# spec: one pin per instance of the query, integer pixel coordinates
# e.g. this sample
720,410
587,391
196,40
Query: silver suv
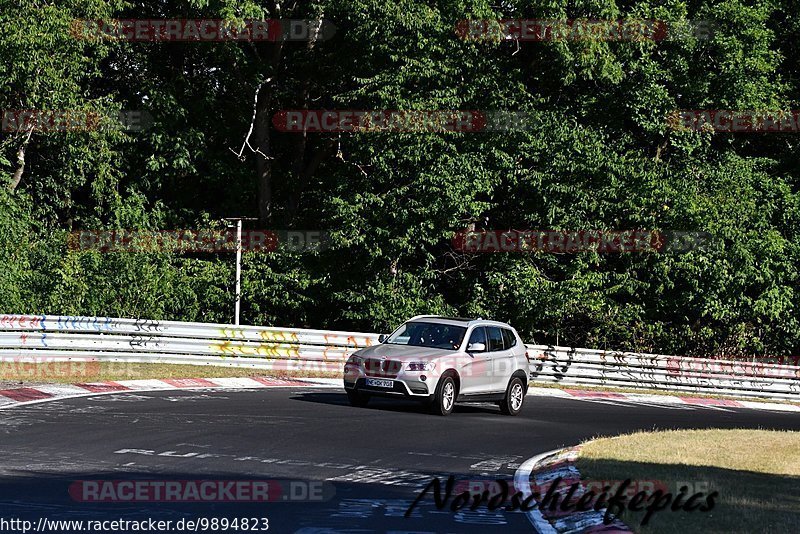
441,361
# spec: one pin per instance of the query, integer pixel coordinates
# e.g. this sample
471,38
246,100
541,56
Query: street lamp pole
238,297
238,271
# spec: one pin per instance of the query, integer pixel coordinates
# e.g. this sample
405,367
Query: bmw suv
441,361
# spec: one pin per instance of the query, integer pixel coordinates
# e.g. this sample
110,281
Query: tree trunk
264,162
17,177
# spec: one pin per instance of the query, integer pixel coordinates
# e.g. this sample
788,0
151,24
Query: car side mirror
382,338
476,347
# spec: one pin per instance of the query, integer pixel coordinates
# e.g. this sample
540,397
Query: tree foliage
595,152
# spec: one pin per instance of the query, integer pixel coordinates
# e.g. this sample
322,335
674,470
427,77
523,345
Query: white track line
522,482
64,392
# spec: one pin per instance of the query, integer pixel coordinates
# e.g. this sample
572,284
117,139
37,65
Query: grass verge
755,472
665,392
74,372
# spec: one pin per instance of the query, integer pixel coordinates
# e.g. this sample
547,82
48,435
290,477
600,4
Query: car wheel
515,397
357,399
445,397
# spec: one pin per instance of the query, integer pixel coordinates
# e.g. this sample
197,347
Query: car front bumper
411,387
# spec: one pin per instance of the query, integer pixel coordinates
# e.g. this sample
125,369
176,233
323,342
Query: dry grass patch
756,472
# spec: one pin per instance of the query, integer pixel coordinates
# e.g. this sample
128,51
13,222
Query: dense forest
595,149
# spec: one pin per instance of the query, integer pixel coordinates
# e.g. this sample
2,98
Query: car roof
457,321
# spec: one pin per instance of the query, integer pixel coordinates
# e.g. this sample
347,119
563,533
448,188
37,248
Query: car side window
478,336
509,338
495,338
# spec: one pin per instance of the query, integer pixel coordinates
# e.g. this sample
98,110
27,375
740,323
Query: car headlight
420,366
354,362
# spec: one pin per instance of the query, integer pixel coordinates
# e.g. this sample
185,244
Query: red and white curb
540,471
44,393
660,400
10,398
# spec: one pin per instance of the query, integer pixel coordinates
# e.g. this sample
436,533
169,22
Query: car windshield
431,335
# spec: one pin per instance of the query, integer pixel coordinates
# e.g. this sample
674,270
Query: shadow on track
747,502
342,506
393,405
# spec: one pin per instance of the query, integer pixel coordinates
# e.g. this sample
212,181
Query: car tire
357,399
515,397
445,397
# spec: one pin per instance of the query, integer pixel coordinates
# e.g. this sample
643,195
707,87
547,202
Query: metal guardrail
46,337
61,337
570,366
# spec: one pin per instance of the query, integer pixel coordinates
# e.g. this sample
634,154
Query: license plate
376,383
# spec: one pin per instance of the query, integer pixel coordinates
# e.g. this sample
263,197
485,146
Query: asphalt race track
367,464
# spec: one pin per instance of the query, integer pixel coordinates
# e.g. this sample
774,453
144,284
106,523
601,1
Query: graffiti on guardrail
69,322
145,342
709,368
776,360
233,348
537,364
279,337
262,350
563,365
147,325
332,339
22,321
233,333
63,322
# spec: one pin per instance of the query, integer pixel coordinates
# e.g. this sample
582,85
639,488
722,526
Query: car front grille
382,368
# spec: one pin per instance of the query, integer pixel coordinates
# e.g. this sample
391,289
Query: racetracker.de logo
73,120
270,30
126,491
199,241
33,368
628,29
378,121
175,491
574,241
730,121
420,121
